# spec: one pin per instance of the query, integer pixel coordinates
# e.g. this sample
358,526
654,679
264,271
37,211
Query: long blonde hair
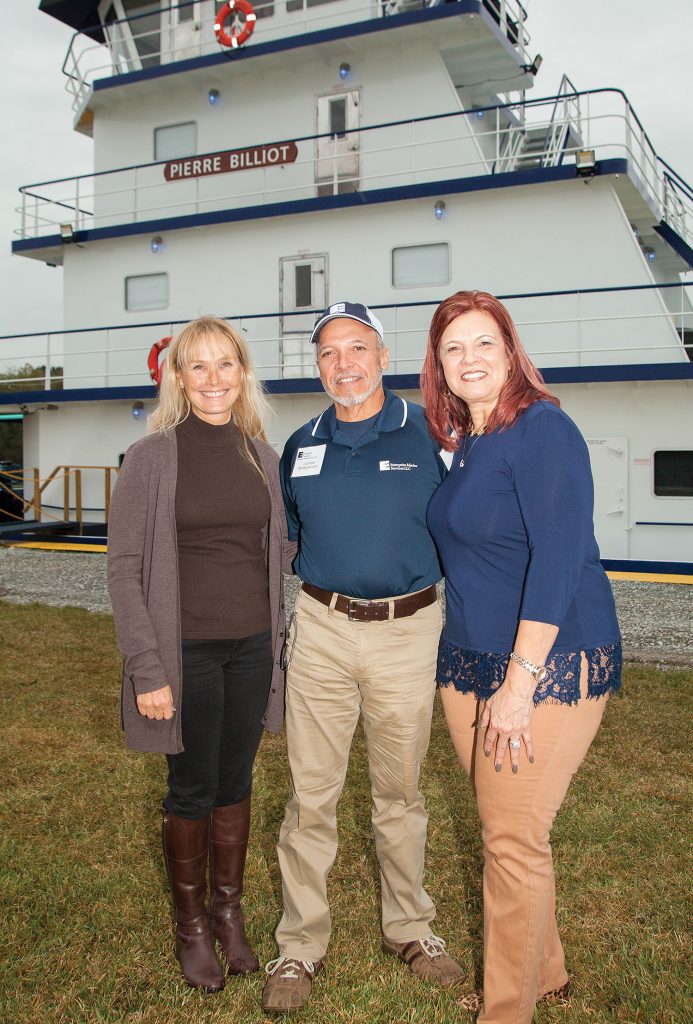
172,407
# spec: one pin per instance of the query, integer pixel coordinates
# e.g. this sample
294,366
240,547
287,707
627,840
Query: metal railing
162,37
564,328
487,140
71,477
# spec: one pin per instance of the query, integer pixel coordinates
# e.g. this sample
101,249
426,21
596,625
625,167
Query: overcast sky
639,46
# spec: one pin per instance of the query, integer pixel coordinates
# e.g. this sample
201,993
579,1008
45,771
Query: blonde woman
197,544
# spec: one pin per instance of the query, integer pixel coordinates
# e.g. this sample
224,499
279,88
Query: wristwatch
540,672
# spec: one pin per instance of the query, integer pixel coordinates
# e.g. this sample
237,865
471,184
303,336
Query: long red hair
525,385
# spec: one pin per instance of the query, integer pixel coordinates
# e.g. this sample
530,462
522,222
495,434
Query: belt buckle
354,604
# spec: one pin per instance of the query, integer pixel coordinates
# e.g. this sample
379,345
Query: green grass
86,924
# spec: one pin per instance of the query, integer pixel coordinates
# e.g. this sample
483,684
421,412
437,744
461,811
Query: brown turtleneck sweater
222,506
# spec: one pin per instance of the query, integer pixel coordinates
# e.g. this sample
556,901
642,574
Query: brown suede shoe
474,1001
288,984
428,960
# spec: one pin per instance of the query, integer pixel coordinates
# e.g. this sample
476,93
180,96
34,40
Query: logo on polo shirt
386,466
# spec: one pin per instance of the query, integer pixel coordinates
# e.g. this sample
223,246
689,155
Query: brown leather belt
360,610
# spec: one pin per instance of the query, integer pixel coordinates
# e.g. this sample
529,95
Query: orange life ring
153,360
235,40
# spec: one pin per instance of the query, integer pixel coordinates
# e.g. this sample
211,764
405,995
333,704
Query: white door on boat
609,460
337,148
302,289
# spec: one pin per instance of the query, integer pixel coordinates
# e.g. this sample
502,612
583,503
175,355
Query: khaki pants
523,956
339,669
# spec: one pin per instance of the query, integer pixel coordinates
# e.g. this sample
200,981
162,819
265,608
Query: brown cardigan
143,584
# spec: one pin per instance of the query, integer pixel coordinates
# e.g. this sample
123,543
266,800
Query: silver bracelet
540,672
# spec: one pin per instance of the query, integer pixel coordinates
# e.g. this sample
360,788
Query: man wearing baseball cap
363,641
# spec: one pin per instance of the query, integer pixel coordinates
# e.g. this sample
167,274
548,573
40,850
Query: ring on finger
514,743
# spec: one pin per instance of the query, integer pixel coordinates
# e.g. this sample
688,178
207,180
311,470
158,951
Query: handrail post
77,208
78,499
37,496
683,321
396,336
107,494
47,374
579,332
412,148
628,131
66,493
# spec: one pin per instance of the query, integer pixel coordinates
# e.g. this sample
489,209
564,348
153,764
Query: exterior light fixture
439,209
137,410
585,163
533,68
214,97
480,114
344,71
156,244
650,254
67,234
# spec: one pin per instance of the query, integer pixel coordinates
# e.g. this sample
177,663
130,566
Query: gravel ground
656,618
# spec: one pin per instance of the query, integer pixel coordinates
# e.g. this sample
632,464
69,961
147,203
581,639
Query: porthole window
673,474
415,265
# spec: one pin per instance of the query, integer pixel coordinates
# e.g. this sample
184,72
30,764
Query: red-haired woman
531,646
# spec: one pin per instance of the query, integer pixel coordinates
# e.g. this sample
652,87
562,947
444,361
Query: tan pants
523,956
339,669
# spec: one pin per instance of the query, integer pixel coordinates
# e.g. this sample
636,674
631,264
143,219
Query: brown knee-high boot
229,843
186,849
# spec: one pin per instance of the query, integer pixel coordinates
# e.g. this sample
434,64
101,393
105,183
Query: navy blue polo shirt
358,507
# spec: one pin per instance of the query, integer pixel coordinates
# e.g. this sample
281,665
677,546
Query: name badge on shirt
309,460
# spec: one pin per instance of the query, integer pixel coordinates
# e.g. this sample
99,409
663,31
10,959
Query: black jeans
225,688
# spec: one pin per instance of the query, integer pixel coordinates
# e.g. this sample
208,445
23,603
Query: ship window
414,265
146,291
673,474
175,141
338,109
298,5
263,9
303,283
144,19
186,12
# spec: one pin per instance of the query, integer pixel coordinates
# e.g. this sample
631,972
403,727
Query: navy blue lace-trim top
482,673
515,536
